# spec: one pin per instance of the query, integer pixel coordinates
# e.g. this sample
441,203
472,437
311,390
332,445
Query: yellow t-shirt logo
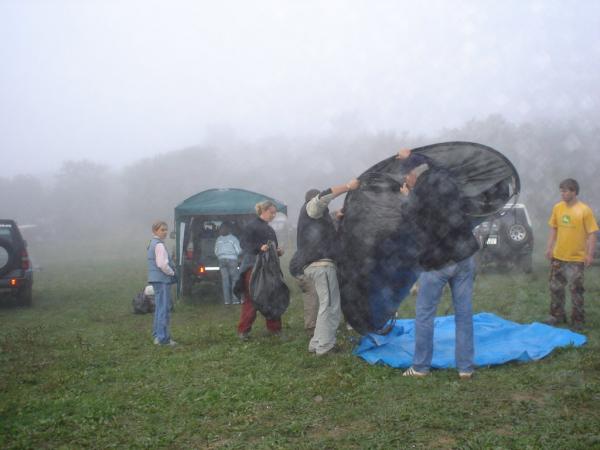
566,219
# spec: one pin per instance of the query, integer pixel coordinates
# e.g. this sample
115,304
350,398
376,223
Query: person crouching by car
255,236
227,250
160,275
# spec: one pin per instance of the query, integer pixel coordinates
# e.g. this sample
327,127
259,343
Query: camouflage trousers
564,273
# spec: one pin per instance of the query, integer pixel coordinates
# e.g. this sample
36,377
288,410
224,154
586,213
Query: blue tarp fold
497,341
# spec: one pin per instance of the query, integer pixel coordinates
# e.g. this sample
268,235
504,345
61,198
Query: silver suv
506,239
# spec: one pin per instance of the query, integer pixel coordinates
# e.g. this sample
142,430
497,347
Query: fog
119,110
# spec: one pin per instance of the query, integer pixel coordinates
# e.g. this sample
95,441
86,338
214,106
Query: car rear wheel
517,234
8,256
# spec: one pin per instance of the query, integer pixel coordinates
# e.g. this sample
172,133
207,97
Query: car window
5,233
520,216
506,216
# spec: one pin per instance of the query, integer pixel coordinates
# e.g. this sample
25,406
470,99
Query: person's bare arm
591,248
343,188
551,242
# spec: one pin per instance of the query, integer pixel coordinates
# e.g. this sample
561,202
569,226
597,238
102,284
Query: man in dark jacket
446,245
316,255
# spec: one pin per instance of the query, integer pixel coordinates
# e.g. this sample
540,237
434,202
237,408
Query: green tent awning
227,201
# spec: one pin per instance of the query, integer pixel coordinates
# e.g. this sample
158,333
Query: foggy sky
116,81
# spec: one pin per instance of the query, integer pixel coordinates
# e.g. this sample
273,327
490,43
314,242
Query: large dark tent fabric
386,237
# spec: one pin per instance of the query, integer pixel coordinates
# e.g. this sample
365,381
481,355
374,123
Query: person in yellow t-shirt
570,249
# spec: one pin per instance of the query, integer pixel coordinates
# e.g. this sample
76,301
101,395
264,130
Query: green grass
79,370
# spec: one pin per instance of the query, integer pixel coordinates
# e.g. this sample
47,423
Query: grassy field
79,370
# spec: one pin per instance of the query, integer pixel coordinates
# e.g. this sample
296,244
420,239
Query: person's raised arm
316,207
351,185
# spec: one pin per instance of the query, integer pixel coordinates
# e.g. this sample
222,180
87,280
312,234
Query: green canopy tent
226,204
227,201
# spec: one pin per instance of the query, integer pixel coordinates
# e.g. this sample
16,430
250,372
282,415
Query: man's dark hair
310,194
224,229
570,185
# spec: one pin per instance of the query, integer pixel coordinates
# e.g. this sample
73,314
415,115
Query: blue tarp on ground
497,341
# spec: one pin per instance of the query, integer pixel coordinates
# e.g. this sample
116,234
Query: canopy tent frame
218,204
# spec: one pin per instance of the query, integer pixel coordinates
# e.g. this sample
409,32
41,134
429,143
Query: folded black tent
381,255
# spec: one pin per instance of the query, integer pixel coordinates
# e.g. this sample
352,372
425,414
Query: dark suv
506,239
200,264
16,274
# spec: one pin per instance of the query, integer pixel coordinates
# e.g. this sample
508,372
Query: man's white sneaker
411,372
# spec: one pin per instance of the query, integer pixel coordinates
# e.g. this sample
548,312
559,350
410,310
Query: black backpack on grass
142,303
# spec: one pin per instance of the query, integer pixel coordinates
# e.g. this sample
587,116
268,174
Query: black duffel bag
270,295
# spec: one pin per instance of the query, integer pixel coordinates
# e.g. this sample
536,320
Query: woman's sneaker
244,336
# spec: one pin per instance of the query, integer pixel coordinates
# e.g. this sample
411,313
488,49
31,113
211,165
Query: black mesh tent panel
380,257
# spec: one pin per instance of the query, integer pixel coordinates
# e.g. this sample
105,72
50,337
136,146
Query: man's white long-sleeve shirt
318,204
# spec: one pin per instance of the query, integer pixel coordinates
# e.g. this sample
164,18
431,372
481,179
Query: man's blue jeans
431,284
162,312
229,275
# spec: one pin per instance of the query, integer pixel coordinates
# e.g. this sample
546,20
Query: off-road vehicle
16,274
506,239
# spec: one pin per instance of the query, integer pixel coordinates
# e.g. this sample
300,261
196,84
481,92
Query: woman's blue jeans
431,284
162,312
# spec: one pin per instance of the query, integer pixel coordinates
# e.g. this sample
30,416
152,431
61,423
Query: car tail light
14,282
201,269
24,260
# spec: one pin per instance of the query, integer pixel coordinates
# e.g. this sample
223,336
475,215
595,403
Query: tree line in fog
85,198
